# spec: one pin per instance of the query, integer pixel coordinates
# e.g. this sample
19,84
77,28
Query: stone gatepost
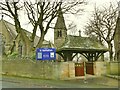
71,69
64,70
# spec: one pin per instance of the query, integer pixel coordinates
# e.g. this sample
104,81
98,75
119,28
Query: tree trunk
115,56
110,51
41,40
118,56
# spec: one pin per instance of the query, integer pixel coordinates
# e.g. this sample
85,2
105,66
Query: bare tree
40,14
72,28
102,26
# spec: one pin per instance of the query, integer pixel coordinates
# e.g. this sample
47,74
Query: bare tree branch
103,25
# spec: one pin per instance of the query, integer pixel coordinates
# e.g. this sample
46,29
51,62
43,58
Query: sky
79,20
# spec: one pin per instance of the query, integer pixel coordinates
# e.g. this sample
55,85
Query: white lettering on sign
47,50
45,55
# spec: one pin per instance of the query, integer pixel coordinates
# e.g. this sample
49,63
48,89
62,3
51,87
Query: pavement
106,80
114,76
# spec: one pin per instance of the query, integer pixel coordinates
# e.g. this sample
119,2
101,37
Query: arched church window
20,48
2,44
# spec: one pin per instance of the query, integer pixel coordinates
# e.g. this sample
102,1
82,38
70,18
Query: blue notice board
46,54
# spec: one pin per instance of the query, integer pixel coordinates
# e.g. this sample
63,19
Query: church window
20,48
2,44
59,33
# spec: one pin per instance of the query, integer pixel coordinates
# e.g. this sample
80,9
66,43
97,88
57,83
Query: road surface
19,82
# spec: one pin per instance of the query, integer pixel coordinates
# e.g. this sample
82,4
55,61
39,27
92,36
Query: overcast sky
79,20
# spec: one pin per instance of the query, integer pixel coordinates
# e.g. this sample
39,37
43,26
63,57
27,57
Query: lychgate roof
82,43
90,48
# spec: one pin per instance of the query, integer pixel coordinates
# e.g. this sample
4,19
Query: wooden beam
74,55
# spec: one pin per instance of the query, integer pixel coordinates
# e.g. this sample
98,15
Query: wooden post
85,76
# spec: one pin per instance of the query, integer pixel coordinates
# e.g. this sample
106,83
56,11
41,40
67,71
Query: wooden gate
90,68
79,69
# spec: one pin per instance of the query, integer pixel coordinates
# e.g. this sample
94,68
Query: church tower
60,31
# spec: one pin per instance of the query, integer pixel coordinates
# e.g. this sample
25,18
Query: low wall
114,68
38,69
53,70
105,68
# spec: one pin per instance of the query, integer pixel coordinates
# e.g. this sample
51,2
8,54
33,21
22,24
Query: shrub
33,56
13,55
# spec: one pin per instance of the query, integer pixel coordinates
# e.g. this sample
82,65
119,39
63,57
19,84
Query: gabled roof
7,30
10,26
79,43
10,29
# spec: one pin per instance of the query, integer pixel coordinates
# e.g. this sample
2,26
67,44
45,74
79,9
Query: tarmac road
19,82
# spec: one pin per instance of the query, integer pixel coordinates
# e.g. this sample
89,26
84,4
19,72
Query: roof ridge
7,22
7,28
14,25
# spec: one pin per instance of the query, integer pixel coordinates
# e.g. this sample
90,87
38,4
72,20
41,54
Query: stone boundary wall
107,68
53,70
113,68
38,69
100,68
